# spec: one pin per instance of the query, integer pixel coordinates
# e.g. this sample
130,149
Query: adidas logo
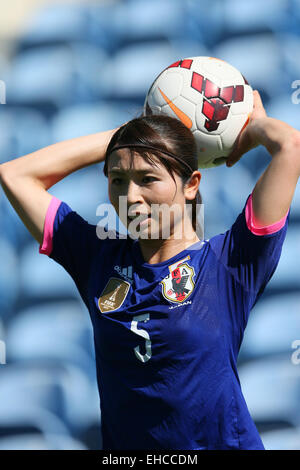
124,272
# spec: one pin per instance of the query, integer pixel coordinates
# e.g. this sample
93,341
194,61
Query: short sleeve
69,240
251,252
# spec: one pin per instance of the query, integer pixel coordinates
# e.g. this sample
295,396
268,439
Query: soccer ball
211,97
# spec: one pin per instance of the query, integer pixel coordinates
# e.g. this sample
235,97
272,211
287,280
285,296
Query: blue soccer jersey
167,335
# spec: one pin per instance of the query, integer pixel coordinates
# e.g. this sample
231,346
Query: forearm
51,164
274,190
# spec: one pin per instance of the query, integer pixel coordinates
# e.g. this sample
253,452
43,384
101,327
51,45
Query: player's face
145,186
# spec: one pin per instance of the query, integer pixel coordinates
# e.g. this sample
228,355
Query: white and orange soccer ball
211,97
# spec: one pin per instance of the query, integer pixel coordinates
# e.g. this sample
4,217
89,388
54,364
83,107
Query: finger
230,163
242,146
258,106
257,98
234,156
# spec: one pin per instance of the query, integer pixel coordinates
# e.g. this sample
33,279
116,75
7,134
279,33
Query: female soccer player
168,314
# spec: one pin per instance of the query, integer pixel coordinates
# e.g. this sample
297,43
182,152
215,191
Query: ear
192,185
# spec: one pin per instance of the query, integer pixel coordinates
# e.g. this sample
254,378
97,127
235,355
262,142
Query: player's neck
157,251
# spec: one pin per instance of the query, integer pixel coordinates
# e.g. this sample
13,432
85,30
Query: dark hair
165,133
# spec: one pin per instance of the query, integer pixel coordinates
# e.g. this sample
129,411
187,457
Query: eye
149,179
116,181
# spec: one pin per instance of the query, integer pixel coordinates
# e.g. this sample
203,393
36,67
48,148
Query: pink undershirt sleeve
255,227
46,247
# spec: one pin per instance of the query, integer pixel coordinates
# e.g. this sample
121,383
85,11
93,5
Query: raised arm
274,190
25,180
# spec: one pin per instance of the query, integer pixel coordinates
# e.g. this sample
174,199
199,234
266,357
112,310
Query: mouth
142,218
138,214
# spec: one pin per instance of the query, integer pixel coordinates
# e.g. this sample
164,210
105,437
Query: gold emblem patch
113,295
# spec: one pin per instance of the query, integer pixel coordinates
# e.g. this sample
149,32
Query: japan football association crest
178,285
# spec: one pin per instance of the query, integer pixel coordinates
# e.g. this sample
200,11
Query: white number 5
145,317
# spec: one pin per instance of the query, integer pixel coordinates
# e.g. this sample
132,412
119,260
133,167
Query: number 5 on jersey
139,318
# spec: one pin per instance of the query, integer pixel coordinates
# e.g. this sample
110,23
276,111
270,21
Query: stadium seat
24,130
135,20
53,76
25,417
42,75
101,31
91,436
40,442
9,277
282,107
224,192
52,24
255,16
271,389
69,22
295,208
236,185
271,327
244,51
256,161
41,277
79,120
83,191
206,28
287,274
294,16
6,152
282,439
13,230
217,217
289,45
123,77
30,334
61,391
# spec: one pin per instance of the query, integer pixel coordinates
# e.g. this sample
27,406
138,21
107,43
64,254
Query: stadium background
74,68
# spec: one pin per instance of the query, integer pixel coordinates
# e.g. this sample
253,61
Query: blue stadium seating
271,389
254,16
137,20
206,24
56,23
287,274
244,51
78,120
53,76
282,107
55,398
83,191
9,278
124,78
79,69
224,192
272,326
47,278
25,130
294,16
65,23
59,331
12,228
37,441
21,416
282,439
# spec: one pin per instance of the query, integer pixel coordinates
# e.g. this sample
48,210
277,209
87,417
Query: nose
134,193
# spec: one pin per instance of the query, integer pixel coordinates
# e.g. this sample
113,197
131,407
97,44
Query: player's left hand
246,139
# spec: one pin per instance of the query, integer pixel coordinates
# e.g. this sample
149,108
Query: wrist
103,140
